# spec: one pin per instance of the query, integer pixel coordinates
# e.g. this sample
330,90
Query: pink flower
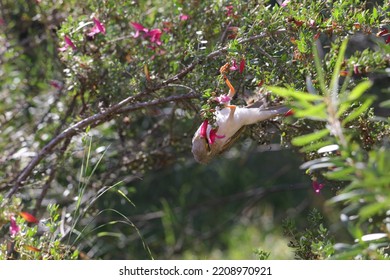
242,65
14,228
223,99
285,3
97,28
317,186
234,66
213,135
203,129
139,28
154,35
68,43
229,10
184,17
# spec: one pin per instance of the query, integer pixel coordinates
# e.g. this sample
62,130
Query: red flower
242,65
289,113
383,32
97,28
68,43
317,186
14,228
28,217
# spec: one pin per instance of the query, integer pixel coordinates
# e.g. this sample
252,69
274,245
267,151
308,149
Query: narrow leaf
359,90
358,111
315,146
343,174
319,68
336,72
128,199
308,138
317,112
298,95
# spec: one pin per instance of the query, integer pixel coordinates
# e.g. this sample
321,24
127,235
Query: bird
217,135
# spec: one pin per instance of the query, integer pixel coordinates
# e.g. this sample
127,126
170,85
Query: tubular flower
138,28
203,129
213,135
234,66
317,186
28,217
154,36
97,28
223,99
68,43
14,228
242,66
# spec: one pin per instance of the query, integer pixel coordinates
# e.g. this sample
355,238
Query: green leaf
373,209
317,112
358,111
359,90
309,138
319,67
315,146
385,104
343,174
346,196
336,73
343,108
298,95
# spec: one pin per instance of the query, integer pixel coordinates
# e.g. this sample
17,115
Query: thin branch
113,111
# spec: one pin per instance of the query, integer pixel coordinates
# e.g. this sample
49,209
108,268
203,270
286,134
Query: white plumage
211,140
229,121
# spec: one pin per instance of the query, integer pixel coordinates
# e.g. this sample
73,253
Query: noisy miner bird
212,139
